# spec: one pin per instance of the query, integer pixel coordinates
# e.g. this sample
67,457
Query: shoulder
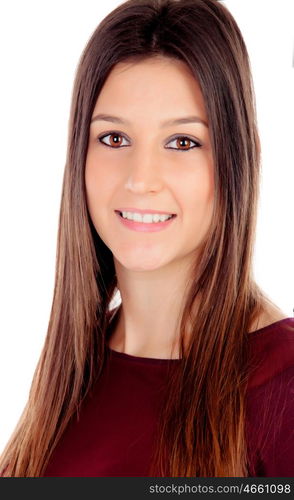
271,340
271,350
269,315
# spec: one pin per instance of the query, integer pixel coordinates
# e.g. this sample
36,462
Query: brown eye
113,140
183,143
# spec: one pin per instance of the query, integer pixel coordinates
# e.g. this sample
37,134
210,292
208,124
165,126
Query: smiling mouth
145,218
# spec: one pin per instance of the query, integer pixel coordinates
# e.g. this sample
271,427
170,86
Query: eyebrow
177,121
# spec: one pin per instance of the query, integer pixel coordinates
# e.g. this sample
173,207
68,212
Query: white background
41,43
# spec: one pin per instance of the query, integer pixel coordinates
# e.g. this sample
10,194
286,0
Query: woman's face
150,151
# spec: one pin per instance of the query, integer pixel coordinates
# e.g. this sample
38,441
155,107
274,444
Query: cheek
197,191
98,181
94,190
199,201
206,185
205,198
95,195
88,179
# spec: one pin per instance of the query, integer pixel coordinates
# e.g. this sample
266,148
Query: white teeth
145,218
163,217
136,217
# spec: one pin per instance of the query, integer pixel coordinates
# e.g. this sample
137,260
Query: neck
149,317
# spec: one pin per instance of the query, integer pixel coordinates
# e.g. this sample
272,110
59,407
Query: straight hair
201,429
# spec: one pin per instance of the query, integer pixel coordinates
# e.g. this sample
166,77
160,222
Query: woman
191,375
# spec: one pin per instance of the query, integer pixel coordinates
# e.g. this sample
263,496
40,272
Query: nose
144,174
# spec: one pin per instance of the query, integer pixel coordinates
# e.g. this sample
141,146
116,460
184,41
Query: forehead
155,81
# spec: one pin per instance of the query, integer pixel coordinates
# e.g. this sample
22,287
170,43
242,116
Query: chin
140,263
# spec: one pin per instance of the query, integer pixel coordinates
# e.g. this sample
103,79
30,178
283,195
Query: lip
144,227
140,211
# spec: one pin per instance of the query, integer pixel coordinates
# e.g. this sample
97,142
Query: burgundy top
115,432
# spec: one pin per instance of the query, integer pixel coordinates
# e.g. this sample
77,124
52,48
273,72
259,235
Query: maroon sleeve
271,426
270,404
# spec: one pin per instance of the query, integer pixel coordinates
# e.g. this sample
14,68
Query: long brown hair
201,429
